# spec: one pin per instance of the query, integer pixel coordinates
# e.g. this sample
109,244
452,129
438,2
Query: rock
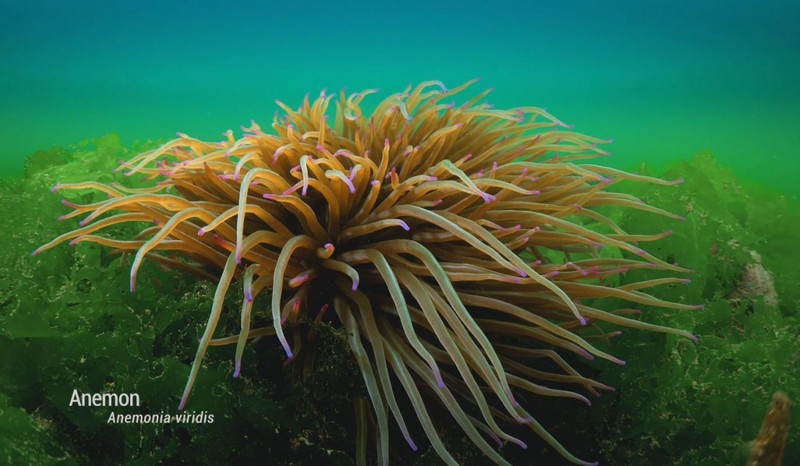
756,281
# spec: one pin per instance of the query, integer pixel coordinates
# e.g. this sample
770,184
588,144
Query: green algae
68,321
25,438
700,403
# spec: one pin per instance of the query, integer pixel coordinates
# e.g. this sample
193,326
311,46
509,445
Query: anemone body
458,246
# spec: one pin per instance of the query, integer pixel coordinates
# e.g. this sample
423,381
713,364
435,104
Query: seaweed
68,321
685,403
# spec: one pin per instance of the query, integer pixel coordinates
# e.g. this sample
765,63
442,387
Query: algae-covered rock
700,403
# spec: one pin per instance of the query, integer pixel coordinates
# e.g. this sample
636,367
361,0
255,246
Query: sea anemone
461,248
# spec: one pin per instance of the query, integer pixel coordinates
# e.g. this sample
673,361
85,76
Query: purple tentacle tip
237,371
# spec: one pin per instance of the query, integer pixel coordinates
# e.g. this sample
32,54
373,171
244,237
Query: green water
664,81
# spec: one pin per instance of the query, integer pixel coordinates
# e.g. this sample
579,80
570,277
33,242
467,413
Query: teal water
665,79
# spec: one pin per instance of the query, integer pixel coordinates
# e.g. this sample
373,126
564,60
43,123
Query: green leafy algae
68,321
680,402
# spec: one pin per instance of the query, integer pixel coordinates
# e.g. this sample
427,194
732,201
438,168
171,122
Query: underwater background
706,91
665,79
